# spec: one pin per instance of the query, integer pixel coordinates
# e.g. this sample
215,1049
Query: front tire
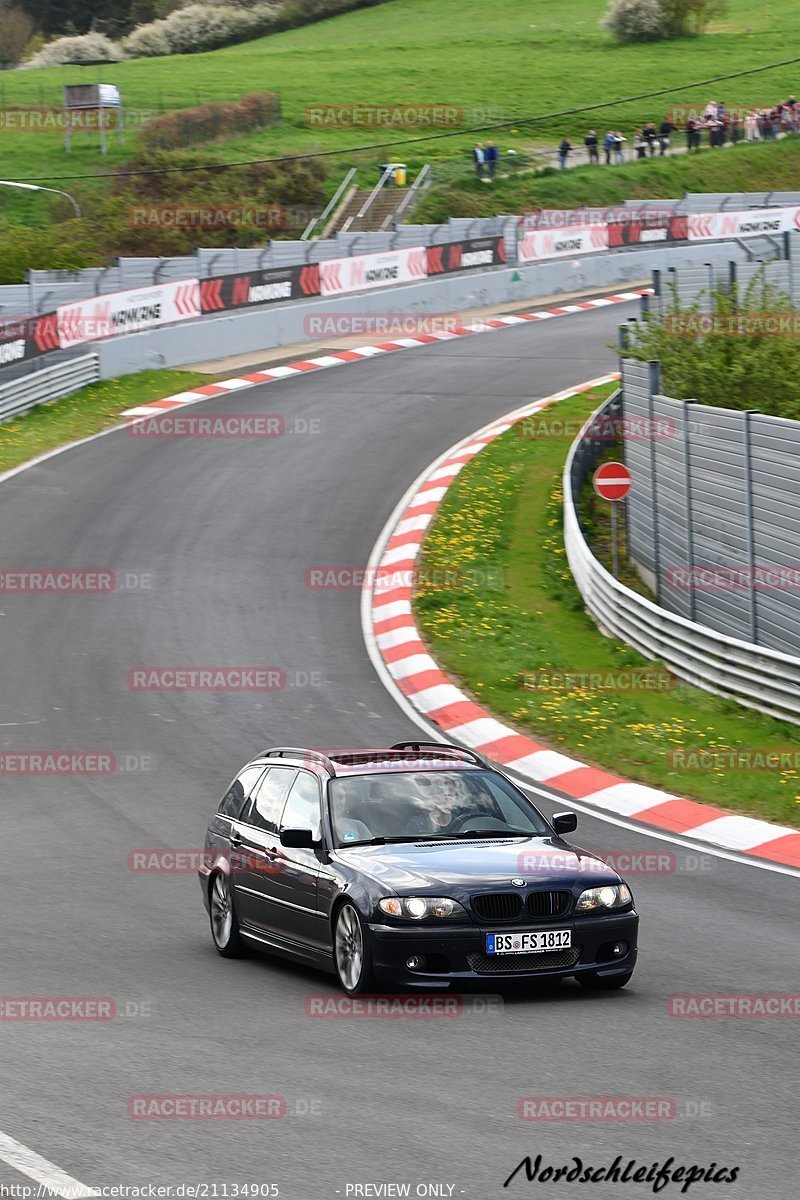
603,983
224,925
352,954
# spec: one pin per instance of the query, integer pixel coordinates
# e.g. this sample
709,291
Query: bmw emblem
518,882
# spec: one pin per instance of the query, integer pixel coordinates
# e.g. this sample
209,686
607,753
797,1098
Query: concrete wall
249,331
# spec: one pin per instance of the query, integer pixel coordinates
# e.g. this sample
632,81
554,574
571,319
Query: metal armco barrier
135,309
755,676
20,395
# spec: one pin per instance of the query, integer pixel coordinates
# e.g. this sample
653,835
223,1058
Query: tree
79,16
16,30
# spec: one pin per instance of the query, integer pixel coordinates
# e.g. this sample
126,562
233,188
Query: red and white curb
408,668
156,407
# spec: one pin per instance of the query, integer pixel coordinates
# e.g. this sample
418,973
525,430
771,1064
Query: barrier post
654,389
749,523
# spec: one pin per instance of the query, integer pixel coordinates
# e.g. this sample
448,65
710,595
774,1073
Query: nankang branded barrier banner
272,286
468,255
340,275
128,312
27,337
558,243
721,225
641,232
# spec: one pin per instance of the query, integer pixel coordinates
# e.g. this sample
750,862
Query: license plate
529,942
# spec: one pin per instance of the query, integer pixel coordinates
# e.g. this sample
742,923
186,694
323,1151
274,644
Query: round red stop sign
612,481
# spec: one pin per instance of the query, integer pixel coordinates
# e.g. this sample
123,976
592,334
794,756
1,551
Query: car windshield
416,805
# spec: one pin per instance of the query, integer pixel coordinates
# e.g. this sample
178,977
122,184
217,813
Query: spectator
665,133
491,156
591,144
735,127
619,156
751,126
608,146
713,126
650,137
640,143
478,158
563,152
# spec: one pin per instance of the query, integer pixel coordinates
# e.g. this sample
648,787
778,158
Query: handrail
329,207
365,207
404,203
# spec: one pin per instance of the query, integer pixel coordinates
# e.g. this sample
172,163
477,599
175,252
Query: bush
188,126
148,41
637,21
725,354
90,47
200,27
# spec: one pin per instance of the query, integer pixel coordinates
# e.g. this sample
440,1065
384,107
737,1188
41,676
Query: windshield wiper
468,833
387,841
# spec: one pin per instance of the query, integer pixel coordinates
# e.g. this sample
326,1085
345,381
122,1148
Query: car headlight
599,898
418,908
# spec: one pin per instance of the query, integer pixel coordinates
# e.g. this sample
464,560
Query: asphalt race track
226,530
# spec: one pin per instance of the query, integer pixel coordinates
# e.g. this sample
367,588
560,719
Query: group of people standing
485,159
719,124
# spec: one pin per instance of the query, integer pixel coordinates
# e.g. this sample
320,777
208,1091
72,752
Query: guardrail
20,395
755,676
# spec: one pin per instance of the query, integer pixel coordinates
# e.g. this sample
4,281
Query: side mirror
565,822
297,839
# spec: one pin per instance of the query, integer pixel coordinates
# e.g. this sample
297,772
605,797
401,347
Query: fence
755,676
713,511
20,395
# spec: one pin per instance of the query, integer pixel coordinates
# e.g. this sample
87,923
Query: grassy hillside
741,168
494,62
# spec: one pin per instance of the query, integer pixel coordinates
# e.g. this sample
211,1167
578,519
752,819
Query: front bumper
457,955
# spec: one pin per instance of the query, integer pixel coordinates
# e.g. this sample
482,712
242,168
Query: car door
296,880
223,834
259,849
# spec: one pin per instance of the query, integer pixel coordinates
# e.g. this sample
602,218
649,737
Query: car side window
234,799
269,797
302,805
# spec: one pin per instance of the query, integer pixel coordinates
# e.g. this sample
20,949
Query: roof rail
470,755
300,752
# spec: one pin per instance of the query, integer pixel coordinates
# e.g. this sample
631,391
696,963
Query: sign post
612,482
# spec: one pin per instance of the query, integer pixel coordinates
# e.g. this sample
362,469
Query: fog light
619,948
415,962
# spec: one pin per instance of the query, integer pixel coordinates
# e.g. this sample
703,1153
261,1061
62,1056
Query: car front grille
511,964
498,906
512,906
547,904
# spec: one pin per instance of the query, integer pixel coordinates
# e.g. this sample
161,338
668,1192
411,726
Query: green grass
502,519
741,168
88,411
497,62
